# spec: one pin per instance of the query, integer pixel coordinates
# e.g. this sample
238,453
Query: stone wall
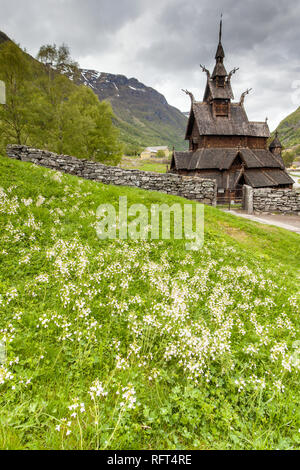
190,187
276,200
268,200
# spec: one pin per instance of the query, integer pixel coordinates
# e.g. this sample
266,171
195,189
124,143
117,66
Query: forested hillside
46,109
53,104
143,115
289,129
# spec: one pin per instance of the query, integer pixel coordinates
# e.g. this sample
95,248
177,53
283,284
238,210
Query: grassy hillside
141,345
289,129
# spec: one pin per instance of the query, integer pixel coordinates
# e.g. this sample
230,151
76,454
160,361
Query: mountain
143,115
3,37
289,130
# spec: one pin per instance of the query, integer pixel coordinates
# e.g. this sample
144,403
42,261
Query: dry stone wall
276,200
268,200
190,187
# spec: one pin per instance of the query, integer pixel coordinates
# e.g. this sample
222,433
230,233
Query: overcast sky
162,43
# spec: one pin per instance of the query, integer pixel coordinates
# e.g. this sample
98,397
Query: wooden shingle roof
275,142
260,158
222,159
219,70
236,124
267,178
261,167
205,158
219,92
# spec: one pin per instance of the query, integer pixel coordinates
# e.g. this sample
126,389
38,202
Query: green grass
289,131
135,163
152,346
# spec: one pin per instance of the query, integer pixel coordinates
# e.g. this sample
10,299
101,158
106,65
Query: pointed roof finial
220,51
221,24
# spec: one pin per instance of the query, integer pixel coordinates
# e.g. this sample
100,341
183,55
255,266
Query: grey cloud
85,25
189,31
162,42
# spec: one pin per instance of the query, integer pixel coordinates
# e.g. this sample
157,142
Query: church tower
218,91
275,146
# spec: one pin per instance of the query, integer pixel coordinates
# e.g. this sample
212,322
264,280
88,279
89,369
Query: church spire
218,85
219,70
220,51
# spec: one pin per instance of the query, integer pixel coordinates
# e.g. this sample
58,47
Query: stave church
224,145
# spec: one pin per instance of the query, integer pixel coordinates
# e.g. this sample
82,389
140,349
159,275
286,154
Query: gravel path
288,222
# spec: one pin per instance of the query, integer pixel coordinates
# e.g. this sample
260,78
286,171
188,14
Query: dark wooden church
224,144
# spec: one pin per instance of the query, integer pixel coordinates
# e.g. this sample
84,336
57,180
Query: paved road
288,222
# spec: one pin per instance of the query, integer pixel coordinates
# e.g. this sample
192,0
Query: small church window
221,109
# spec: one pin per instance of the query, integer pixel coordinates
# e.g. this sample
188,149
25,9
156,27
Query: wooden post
2,93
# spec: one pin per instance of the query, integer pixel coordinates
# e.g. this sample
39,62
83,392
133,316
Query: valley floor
135,163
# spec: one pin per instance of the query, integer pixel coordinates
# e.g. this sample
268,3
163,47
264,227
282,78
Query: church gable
238,162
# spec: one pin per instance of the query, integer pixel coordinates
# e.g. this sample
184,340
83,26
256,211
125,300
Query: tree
19,116
288,157
47,54
56,93
81,125
132,149
161,154
78,123
45,109
103,138
59,59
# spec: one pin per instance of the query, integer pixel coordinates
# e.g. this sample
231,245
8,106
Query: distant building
151,152
224,144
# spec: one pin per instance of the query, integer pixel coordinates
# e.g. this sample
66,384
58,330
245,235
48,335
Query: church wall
219,141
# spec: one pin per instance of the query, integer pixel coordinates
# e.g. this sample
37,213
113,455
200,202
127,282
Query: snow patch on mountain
136,89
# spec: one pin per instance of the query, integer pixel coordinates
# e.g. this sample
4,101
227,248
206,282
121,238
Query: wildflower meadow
141,344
